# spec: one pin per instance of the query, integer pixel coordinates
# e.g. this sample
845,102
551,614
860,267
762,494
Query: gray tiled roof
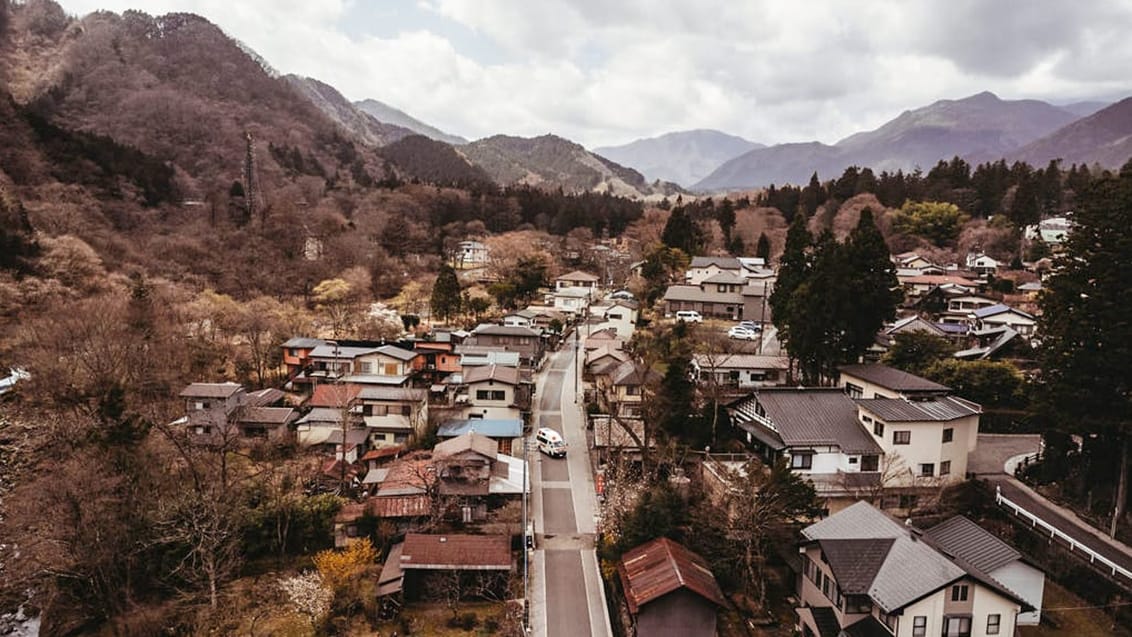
855,562
725,278
937,410
302,342
693,294
817,417
503,374
491,329
210,390
911,568
386,392
963,538
397,352
868,627
723,263
892,378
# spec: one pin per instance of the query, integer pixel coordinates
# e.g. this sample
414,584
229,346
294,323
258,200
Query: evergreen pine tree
762,249
793,268
874,291
446,298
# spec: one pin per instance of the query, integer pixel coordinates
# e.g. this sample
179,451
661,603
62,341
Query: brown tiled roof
654,569
408,476
456,551
399,506
509,375
629,373
892,378
471,440
333,395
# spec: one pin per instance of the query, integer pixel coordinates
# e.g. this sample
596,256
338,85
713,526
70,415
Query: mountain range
175,87
682,157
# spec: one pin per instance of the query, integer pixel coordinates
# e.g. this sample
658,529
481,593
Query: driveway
994,450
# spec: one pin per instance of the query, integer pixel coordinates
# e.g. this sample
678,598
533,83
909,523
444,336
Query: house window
920,626
957,626
994,623
854,391
959,593
367,367
825,584
389,369
490,394
801,460
377,410
294,353
902,437
632,390
927,469
945,468
948,434
868,420
870,463
892,622
878,429
406,410
857,604
854,459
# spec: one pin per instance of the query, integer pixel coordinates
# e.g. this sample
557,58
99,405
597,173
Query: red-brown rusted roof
334,396
399,506
456,551
656,568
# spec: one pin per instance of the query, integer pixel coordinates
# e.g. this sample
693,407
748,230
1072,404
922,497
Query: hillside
176,88
385,113
363,126
778,164
551,162
682,157
433,161
981,127
1105,137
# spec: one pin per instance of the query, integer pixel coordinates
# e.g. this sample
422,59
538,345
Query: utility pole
527,545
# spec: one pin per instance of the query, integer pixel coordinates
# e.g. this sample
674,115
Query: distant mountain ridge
383,112
362,125
682,157
549,161
980,127
1105,137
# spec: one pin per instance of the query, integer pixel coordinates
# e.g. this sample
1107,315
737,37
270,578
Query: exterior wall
1020,324
926,446
628,404
931,607
491,408
623,319
746,378
696,276
868,390
988,602
678,614
1029,583
382,365
825,460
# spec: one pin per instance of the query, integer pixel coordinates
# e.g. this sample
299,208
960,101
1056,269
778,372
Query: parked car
624,295
742,333
689,316
751,325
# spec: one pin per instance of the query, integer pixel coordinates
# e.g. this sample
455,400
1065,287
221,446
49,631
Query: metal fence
1056,534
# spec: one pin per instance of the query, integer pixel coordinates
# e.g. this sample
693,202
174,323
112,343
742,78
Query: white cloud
603,72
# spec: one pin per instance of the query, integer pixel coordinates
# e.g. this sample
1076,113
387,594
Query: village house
437,358
723,299
925,432
392,415
1002,315
470,254
526,341
577,280
621,388
982,265
297,352
503,431
620,315
740,371
469,468
216,411
918,285
571,301
669,590
387,360
422,557
496,392
816,430
864,573
705,267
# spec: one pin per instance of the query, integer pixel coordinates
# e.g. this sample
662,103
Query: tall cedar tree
445,300
874,291
681,232
818,312
1085,332
762,248
793,268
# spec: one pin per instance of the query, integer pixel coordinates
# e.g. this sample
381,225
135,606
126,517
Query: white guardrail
1055,533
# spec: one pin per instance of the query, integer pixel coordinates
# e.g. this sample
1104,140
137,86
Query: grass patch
1074,619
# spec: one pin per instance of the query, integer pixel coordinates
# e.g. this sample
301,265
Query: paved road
989,460
567,597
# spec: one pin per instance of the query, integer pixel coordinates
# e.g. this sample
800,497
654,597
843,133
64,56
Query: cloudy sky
606,72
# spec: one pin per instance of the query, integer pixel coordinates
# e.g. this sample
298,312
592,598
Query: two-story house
982,265
393,415
926,433
386,360
817,431
495,392
528,342
217,411
469,468
470,254
864,573
621,388
577,280
296,353
1001,315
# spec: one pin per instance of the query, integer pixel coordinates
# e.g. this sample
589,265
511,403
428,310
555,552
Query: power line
1113,605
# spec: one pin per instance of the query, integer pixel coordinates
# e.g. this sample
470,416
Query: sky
606,72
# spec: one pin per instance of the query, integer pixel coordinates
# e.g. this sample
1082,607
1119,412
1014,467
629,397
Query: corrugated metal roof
396,352
490,427
740,361
469,441
501,373
210,390
693,294
385,392
812,416
963,538
656,568
892,378
301,342
399,506
937,410
456,551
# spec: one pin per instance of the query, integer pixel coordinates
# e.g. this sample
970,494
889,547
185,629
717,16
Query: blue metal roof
490,427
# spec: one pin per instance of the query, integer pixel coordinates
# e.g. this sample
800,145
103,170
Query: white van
689,316
550,442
